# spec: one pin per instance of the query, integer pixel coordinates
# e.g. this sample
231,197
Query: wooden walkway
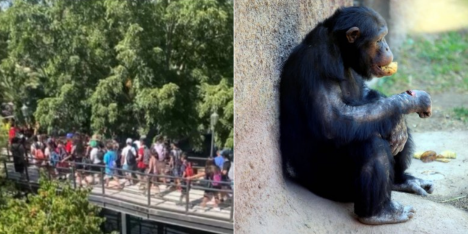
167,200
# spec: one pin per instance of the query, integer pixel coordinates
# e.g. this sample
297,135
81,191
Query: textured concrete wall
265,33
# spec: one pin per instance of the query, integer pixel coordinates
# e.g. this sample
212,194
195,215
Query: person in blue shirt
110,161
219,160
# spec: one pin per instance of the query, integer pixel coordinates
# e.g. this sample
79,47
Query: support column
123,221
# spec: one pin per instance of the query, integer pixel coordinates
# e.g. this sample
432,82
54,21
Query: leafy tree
48,211
121,67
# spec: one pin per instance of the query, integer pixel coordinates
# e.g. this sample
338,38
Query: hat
69,135
226,153
129,141
93,143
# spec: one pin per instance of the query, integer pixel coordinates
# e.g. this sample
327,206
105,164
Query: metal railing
149,181
197,162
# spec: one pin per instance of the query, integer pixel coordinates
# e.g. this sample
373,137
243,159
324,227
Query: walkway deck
164,207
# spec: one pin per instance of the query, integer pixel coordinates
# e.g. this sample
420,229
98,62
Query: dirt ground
443,118
443,131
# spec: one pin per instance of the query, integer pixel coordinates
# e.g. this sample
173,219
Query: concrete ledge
285,207
304,212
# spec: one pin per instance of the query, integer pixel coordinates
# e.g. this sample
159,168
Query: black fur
338,158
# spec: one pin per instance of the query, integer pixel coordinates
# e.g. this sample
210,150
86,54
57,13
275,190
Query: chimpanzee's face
369,52
379,53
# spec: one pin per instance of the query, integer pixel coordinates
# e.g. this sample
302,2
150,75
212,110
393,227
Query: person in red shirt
69,145
143,155
12,132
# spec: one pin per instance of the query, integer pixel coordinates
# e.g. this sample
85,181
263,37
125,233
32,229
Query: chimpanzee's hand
398,137
422,102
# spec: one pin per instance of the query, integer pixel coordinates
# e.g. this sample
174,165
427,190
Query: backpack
188,170
61,152
216,179
38,152
176,156
100,154
54,158
161,153
146,156
112,161
130,157
17,153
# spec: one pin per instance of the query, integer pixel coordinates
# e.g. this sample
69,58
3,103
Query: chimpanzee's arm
399,134
379,117
370,95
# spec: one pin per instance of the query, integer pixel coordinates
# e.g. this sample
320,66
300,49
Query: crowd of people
135,162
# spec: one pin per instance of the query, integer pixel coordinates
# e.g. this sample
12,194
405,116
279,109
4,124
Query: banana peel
449,154
418,154
444,160
429,156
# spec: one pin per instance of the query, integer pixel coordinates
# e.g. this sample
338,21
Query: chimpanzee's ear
352,34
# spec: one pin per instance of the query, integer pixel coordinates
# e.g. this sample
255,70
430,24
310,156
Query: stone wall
265,32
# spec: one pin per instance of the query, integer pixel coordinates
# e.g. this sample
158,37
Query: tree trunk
265,33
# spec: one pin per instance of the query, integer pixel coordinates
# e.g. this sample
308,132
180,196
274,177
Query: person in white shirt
137,143
161,161
127,163
93,155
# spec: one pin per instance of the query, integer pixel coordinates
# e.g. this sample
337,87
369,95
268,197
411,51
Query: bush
56,208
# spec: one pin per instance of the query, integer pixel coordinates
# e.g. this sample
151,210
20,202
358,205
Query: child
110,158
187,173
213,174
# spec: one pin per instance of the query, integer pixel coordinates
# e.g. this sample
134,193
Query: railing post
232,204
73,176
148,185
6,169
187,193
8,151
39,171
102,182
26,169
48,172
123,222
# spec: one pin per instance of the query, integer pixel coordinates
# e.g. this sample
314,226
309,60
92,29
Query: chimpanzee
339,138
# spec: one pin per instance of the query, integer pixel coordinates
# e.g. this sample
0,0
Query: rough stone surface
265,32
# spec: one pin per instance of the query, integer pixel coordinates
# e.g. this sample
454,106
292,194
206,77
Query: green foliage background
121,67
433,62
48,211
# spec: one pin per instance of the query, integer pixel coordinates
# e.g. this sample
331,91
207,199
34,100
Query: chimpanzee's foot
394,213
418,186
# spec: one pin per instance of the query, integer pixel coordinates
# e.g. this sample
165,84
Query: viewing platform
145,203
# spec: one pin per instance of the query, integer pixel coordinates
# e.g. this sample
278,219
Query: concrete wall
265,33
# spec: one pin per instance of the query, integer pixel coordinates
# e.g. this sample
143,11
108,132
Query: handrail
148,179
190,158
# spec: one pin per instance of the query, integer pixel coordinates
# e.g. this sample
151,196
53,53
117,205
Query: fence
97,172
